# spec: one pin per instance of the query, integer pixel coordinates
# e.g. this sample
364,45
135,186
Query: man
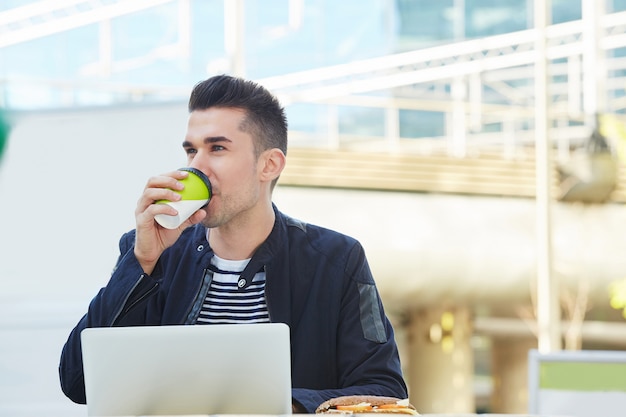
315,280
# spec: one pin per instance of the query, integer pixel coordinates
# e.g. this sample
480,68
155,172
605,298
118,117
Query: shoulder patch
370,314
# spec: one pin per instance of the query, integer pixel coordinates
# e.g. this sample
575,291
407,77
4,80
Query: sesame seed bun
366,404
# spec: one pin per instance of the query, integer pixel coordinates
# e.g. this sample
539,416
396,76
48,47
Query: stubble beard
229,208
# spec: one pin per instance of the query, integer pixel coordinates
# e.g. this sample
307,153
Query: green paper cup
195,195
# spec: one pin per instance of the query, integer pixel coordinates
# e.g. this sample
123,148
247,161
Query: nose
200,162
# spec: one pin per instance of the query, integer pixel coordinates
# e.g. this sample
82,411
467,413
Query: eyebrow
209,140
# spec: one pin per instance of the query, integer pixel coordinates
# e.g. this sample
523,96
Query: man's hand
297,408
152,239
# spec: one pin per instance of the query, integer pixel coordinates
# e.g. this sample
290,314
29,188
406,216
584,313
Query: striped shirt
225,303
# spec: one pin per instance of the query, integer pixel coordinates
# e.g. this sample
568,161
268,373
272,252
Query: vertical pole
333,126
459,20
475,102
105,48
392,126
184,29
594,72
234,36
458,91
548,312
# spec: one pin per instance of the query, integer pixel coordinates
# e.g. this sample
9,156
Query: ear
272,162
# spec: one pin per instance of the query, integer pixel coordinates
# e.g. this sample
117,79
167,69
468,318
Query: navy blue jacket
318,282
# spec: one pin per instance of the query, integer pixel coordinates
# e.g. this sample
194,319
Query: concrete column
510,374
441,361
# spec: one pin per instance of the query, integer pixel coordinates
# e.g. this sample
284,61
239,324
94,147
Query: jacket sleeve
105,308
367,357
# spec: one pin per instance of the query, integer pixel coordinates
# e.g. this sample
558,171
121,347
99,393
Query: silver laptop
178,370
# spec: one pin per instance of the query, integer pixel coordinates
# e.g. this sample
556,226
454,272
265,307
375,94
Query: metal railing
478,84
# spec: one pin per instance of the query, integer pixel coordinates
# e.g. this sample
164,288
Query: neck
240,238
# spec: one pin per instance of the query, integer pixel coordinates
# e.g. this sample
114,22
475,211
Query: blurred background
473,147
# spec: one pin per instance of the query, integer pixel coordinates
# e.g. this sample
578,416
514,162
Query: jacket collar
270,256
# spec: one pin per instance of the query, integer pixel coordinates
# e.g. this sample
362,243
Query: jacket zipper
122,311
267,298
196,305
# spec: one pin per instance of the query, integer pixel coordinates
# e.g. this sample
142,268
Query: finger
160,208
151,196
155,194
161,187
169,180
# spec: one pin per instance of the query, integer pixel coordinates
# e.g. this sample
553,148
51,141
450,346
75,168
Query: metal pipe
548,312
609,333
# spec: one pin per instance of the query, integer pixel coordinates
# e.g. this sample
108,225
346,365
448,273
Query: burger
351,404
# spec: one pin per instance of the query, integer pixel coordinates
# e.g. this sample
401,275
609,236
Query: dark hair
265,118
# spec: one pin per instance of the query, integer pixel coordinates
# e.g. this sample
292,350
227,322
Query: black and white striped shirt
225,303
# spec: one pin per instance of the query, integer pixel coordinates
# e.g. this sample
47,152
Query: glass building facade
156,53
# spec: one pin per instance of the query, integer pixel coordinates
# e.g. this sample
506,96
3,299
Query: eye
190,151
216,148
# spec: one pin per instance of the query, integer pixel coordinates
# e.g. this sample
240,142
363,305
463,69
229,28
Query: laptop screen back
177,370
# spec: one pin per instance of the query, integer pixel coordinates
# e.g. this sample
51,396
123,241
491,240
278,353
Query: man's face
215,145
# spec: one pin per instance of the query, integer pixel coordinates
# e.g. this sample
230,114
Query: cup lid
202,177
